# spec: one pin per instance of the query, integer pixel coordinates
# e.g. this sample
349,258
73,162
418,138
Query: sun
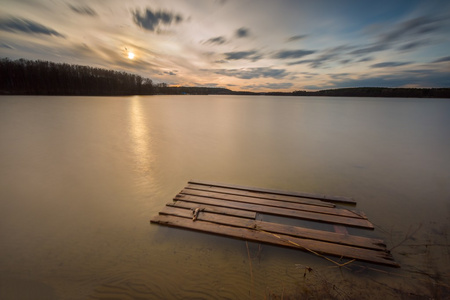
130,55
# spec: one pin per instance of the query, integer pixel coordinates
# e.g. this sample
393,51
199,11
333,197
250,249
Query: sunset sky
256,45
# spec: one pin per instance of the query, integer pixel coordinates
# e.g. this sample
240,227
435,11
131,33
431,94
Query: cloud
27,26
326,56
242,32
413,45
251,55
83,10
271,86
442,59
412,31
296,38
251,73
390,64
423,78
151,21
287,54
219,40
366,59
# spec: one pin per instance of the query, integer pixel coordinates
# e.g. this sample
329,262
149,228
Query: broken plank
327,198
362,223
327,236
261,195
274,203
215,209
282,240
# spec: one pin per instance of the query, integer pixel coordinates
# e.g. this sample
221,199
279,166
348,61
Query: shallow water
80,177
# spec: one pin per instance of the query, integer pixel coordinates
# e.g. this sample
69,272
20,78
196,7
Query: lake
80,178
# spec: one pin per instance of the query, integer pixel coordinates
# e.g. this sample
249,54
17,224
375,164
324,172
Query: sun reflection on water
140,136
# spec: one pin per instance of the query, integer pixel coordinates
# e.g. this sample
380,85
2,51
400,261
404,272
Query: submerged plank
261,195
332,237
379,257
333,199
363,223
274,203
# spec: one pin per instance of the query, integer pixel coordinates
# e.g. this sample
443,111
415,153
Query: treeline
379,92
38,77
27,77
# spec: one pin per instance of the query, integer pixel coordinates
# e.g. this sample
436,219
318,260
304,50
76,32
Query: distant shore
27,77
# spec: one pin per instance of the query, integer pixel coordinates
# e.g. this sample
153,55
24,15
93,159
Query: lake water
80,177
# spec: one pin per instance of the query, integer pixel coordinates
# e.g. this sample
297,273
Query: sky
252,45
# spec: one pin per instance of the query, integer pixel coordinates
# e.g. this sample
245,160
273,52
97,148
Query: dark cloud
219,40
412,31
27,26
328,55
83,10
151,21
242,32
423,78
412,28
442,59
296,38
272,86
251,55
366,59
252,73
390,64
412,45
287,54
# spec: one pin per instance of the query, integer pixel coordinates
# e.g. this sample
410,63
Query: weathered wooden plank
215,209
333,199
261,195
279,211
274,203
332,237
282,240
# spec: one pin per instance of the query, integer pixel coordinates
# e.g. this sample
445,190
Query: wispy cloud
219,40
413,31
252,73
296,38
442,59
251,55
390,64
288,54
150,20
83,10
270,86
26,26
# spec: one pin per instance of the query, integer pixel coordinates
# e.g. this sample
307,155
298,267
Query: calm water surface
80,177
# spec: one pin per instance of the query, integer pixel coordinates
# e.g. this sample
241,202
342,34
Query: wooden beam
333,219
282,240
274,203
333,199
320,235
260,195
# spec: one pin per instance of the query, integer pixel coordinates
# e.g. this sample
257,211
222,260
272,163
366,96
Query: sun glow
130,55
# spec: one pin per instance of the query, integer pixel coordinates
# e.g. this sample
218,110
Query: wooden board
236,211
326,198
275,203
295,231
306,215
362,254
259,195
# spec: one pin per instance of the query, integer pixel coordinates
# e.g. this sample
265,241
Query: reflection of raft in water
243,212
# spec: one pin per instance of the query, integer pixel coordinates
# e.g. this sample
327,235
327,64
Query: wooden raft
232,211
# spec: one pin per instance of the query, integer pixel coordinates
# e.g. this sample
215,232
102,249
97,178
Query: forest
28,77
